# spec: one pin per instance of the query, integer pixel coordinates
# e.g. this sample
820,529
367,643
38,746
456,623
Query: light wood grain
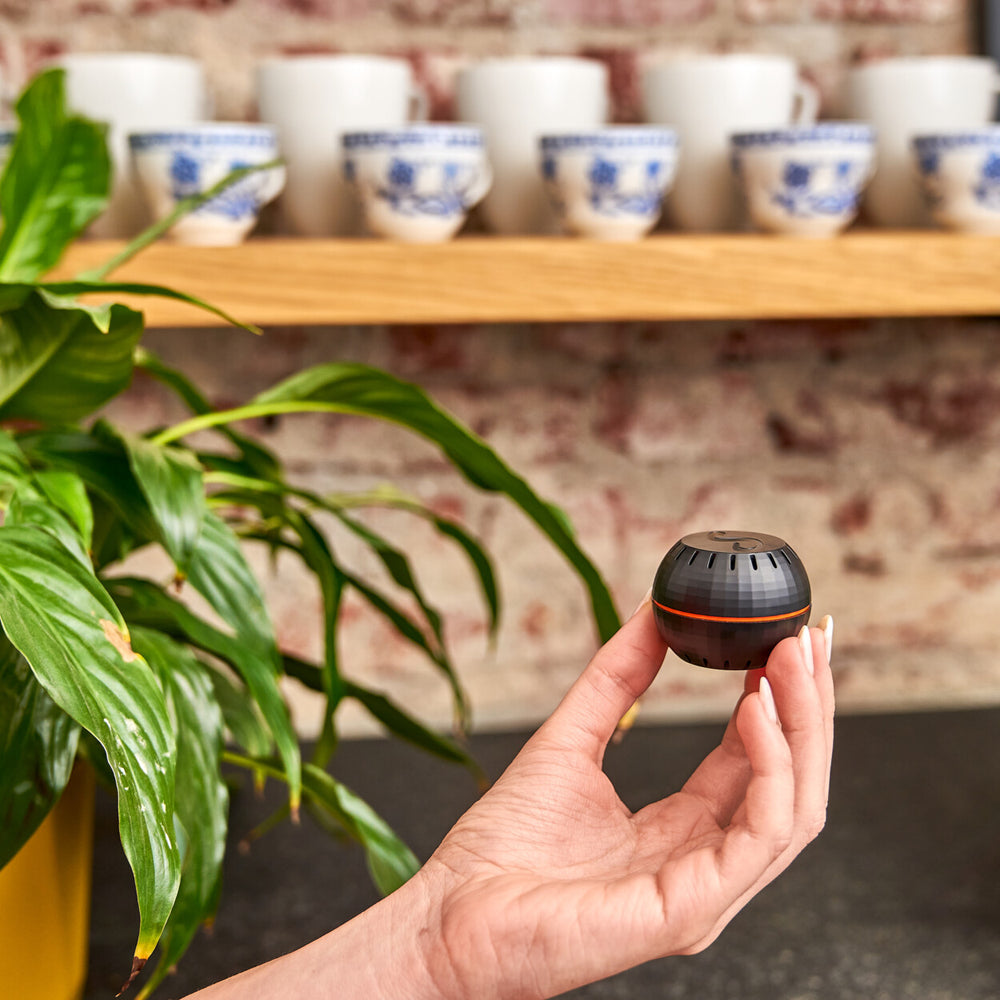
496,279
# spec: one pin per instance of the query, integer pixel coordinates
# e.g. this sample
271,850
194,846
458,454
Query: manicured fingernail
767,699
806,645
826,624
642,603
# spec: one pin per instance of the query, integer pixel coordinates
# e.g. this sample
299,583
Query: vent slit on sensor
711,560
732,562
774,563
753,561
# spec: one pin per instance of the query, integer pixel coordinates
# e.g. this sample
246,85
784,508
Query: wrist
390,951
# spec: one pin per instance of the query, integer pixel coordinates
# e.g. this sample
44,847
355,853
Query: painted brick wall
871,446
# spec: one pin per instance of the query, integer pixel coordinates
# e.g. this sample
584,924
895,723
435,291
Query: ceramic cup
960,178
609,183
314,100
132,90
806,180
706,98
906,96
517,100
417,183
175,164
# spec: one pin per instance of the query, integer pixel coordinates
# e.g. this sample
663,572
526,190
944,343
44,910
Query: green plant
120,670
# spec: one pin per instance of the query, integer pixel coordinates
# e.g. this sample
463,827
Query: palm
554,876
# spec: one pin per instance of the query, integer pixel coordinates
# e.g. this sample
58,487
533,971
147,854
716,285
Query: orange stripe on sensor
728,618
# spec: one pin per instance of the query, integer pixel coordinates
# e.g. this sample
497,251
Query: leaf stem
157,229
249,412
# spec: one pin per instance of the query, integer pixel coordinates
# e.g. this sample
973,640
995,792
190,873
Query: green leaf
142,601
122,518
201,801
390,862
171,480
220,573
317,556
70,289
38,743
259,461
66,491
358,389
55,182
407,728
74,638
241,715
398,567
28,505
56,363
410,631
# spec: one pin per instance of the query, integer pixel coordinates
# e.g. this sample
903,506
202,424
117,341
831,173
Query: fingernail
767,700
826,624
806,645
642,603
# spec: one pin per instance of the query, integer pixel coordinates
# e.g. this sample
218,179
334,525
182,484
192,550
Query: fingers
617,675
792,671
805,709
720,780
767,817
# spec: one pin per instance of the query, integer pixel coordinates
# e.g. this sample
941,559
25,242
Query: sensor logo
740,543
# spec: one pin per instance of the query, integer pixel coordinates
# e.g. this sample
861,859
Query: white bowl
416,183
804,180
608,183
960,177
173,164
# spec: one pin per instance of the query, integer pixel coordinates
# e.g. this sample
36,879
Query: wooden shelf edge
280,281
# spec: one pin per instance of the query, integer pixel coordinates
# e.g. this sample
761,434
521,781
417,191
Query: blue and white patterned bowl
960,177
173,164
416,183
608,183
804,180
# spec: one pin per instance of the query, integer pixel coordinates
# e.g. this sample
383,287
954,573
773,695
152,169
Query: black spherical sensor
725,599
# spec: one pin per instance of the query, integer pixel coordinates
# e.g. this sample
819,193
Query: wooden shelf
479,279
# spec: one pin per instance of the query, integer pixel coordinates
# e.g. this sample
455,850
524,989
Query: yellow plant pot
45,901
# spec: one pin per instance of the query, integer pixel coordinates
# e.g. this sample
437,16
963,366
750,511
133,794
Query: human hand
550,881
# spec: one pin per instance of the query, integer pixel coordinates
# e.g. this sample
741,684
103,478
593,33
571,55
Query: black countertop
899,899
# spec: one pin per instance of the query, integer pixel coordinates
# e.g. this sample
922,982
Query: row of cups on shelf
340,124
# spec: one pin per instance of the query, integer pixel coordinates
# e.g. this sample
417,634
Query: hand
549,881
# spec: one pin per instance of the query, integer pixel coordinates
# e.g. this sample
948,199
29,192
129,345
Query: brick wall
871,446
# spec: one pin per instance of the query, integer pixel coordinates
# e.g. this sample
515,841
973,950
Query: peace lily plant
164,701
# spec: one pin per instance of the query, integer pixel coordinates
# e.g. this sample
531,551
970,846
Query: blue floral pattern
983,177
610,196
239,202
403,191
987,190
810,190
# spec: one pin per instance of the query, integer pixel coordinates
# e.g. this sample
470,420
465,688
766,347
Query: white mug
707,98
313,101
516,100
131,90
908,95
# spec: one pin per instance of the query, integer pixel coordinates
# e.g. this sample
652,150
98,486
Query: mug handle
806,102
419,103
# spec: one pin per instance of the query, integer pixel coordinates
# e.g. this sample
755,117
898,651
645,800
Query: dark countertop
899,899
